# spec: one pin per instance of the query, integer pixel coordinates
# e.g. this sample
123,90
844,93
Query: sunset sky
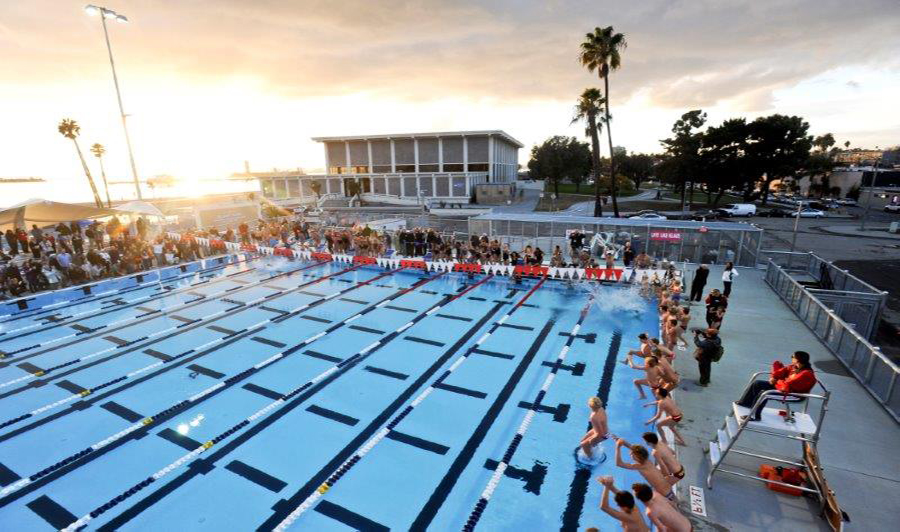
210,84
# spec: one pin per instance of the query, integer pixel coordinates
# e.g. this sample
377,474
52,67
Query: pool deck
857,444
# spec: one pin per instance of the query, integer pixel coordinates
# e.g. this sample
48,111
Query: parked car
739,209
808,212
847,201
648,216
777,212
892,207
707,214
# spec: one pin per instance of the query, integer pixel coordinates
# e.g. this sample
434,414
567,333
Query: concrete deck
857,443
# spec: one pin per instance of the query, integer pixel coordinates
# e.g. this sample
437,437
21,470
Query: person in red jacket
795,378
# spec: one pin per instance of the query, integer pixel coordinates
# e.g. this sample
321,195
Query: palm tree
589,105
70,129
600,51
98,150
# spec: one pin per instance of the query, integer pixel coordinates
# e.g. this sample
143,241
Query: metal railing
864,361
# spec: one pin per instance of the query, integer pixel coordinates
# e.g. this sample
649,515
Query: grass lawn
587,190
563,202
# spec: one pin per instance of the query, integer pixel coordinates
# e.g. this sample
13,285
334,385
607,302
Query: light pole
105,13
862,225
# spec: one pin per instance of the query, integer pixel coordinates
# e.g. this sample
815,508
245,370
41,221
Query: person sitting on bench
795,378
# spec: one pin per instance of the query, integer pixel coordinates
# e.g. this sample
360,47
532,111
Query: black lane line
357,301
181,318
205,371
121,411
50,511
29,367
351,519
180,440
321,356
534,477
494,354
256,476
158,354
449,317
423,341
560,413
315,318
272,309
130,349
146,309
401,309
460,390
426,515
308,293
115,339
332,415
203,465
7,476
473,298
421,443
223,330
576,369
366,329
265,392
520,327
79,327
136,321
582,478
80,300
276,287
266,341
70,386
286,506
387,373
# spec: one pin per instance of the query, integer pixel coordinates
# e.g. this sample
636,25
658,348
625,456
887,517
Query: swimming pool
317,396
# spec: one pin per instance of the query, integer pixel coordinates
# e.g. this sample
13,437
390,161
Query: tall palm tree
98,150
600,51
70,129
589,105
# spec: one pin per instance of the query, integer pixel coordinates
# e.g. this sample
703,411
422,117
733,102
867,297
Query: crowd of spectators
70,254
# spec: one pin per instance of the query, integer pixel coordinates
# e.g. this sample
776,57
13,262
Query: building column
347,155
300,183
416,155
402,187
440,154
393,158
369,147
327,162
433,186
490,157
465,154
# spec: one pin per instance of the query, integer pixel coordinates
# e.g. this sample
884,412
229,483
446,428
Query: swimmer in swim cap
599,429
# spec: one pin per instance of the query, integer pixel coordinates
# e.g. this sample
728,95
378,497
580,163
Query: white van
739,209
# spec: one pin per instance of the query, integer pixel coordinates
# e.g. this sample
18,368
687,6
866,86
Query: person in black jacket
707,343
699,283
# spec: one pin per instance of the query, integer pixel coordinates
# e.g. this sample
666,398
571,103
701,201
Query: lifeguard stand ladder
805,428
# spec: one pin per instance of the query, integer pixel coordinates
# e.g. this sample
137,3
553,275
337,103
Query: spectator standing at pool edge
699,282
728,277
708,343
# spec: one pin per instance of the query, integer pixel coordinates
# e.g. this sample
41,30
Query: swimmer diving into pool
599,430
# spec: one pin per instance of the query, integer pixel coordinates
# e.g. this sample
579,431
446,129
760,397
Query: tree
98,150
589,105
682,161
70,129
638,167
853,193
601,52
779,147
724,161
820,164
559,158
847,145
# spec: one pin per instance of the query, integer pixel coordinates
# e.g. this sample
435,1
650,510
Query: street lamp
105,13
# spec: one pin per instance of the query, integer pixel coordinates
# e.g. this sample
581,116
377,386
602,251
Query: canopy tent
140,207
44,213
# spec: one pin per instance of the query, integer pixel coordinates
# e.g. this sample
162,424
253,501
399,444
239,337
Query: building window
338,170
334,187
477,167
428,168
409,187
459,187
293,188
443,186
454,167
381,169
267,189
406,168
378,185
393,186
425,185
359,169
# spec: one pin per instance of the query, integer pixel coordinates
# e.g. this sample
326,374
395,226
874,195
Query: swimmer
669,375
599,429
665,458
662,484
684,319
628,515
667,415
652,374
670,332
644,348
661,514
665,351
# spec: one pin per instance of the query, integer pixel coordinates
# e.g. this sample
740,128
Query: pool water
316,396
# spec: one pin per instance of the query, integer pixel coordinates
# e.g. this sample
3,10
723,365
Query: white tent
45,212
140,207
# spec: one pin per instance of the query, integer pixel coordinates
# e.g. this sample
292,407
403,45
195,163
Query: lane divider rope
383,433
